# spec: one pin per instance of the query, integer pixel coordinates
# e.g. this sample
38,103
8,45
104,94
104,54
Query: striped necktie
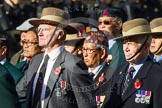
128,79
38,89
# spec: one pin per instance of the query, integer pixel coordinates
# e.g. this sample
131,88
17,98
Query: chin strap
51,37
139,49
158,50
13,3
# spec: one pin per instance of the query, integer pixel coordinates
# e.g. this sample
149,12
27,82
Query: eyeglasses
105,22
28,43
89,51
43,30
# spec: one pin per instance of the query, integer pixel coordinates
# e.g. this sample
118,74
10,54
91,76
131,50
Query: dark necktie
128,79
25,67
38,89
91,75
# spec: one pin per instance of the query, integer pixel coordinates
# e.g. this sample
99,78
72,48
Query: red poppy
137,84
57,70
101,79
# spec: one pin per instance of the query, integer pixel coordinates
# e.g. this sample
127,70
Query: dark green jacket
8,95
15,58
15,73
22,66
118,57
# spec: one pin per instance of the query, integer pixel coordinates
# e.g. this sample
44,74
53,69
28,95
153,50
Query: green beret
113,12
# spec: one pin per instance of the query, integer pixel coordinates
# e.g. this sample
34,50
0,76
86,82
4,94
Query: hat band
157,29
2,38
53,18
73,36
137,30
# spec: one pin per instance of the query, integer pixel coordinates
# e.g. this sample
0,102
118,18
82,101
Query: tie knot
91,74
131,69
46,57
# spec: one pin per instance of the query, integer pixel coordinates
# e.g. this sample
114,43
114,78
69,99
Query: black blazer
74,72
108,72
150,76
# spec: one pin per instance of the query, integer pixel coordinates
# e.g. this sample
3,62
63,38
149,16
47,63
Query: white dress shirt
52,58
3,61
97,70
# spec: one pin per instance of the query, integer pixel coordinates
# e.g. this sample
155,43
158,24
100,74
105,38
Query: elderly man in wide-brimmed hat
138,83
74,42
60,79
156,44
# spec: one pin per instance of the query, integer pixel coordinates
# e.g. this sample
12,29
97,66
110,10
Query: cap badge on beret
92,35
105,12
80,32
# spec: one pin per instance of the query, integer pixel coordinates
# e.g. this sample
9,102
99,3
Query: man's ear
60,34
103,53
120,23
4,50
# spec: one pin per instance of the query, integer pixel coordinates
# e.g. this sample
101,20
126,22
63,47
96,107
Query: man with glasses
30,48
95,57
57,78
110,22
29,43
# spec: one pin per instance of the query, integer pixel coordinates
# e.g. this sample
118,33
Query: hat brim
156,33
25,26
69,29
128,36
70,37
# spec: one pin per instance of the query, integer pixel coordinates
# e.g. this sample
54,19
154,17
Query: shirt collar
111,43
95,71
157,59
54,53
137,67
3,61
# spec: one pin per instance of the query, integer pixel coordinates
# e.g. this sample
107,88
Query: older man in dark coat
138,83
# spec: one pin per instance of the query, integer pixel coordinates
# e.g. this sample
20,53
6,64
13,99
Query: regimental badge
143,96
100,100
60,88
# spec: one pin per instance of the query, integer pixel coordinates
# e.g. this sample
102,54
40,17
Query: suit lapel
106,75
32,72
142,73
53,77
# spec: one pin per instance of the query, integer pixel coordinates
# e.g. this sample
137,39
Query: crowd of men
73,59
